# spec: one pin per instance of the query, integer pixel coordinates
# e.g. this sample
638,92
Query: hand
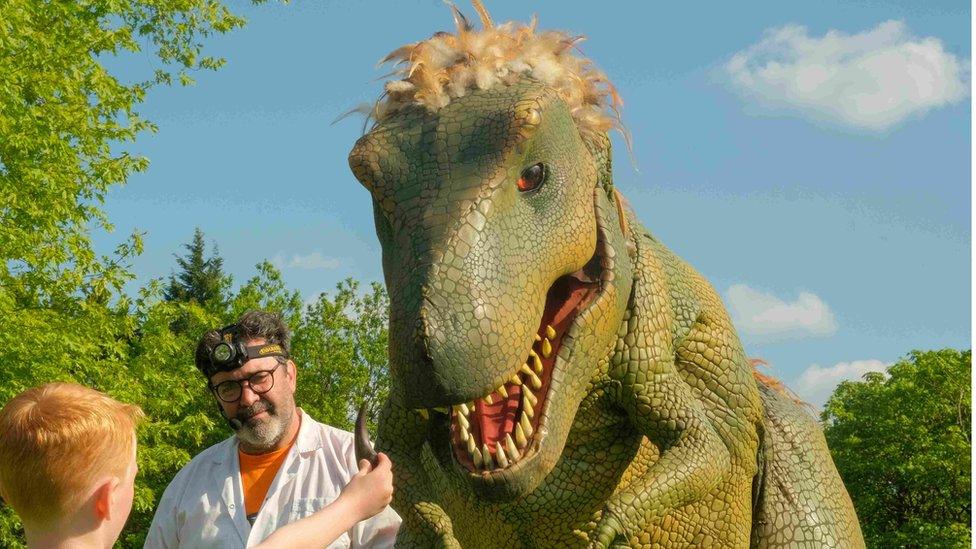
371,489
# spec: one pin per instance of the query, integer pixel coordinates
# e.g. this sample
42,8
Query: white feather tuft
448,66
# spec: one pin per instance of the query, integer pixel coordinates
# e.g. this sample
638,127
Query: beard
263,434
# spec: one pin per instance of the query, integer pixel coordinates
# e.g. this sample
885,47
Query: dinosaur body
560,378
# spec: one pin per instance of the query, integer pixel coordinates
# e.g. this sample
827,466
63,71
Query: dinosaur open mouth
497,431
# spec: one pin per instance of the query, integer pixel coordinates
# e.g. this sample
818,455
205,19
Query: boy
68,464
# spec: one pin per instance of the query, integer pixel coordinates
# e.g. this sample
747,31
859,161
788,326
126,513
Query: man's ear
104,498
292,374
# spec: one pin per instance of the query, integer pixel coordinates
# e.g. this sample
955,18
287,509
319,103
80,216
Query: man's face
264,417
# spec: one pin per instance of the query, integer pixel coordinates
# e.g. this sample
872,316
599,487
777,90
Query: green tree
341,351
901,442
160,376
66,122
267,291
200,279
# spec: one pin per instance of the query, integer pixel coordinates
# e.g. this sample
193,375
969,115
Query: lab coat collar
308,440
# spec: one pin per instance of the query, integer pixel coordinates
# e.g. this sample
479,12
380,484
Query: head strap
231,353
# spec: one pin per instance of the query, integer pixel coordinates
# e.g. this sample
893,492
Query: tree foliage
65,123
200,279
341,348
901,442
64,126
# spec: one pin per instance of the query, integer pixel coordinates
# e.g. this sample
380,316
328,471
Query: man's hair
55,441
252,325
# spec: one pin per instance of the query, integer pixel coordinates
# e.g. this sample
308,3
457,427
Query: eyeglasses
259,382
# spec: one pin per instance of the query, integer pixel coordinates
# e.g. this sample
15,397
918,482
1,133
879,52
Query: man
68,464
280,466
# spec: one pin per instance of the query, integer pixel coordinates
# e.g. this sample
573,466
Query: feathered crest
777,385
432,72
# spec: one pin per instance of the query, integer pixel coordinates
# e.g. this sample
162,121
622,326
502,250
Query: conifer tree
200,279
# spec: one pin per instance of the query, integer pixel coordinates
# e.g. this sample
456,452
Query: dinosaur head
505,260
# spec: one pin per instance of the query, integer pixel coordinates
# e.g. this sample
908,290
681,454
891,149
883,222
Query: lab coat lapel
233,491
281,493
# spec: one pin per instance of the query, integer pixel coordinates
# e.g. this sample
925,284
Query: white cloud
872,80
764,315
314,260
816,383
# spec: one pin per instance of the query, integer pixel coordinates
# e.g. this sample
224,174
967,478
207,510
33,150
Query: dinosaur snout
455,348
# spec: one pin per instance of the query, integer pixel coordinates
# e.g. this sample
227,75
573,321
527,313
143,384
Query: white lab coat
203,507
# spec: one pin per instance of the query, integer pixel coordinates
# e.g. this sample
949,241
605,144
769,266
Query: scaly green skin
654,432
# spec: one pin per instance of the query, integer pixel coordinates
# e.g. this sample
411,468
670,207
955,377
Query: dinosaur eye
532,177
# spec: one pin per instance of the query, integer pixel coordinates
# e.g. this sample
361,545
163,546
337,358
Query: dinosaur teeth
510,450
476,457
520,440
488,462
527,405
500,456
499,453
536,362
526,425
531,375
463,424
494,452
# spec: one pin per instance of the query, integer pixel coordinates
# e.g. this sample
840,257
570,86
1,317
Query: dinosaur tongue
493,424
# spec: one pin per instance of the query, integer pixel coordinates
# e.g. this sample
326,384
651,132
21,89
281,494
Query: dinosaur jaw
499,430
470,439
499,435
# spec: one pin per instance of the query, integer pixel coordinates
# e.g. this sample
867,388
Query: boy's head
67,454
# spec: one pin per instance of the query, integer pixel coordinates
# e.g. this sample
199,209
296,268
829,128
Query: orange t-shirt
257,473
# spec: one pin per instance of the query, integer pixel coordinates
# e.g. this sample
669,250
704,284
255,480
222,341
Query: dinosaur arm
693,459
425,524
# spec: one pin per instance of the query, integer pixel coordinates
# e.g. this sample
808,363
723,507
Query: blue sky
839,235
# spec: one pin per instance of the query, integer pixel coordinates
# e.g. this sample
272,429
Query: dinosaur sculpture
560,378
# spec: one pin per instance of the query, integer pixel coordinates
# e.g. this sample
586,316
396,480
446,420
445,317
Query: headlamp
231,353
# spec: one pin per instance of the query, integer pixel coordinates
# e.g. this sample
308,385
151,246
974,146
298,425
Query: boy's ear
103,498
